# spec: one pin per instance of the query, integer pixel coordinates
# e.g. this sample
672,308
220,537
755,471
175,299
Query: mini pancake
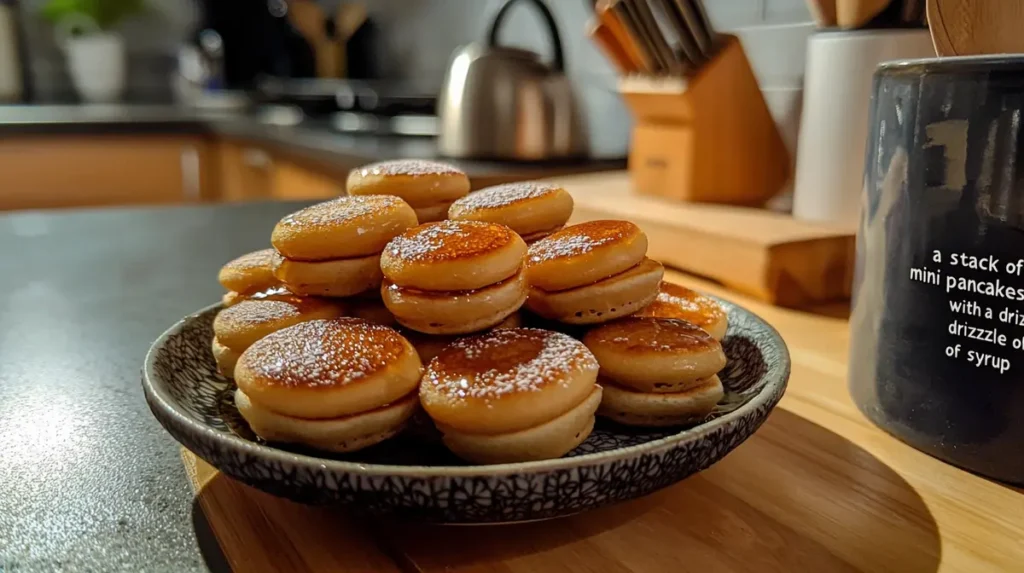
432,213
654,354
455,312
419,182
249,273
453,256
225,358
512,395
334,278
633,408
507,380
345,434
584,254
675,301
325,369
607,299
530,208
549,440
342,228
240,325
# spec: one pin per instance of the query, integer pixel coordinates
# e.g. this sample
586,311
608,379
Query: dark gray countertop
88,480
313,141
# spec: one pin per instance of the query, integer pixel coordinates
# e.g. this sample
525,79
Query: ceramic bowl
414,478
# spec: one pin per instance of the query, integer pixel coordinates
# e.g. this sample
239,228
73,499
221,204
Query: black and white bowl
415,479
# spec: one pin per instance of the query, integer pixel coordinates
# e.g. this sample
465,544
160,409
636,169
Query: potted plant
95,51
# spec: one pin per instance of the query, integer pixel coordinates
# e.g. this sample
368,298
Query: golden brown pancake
455,312
332,278
507,380
530,208
453,256
326,369
249,273
551,439
584,254
654,354
627,406
239,326
512,395
420,183
675,301
613,297
346,227
344,434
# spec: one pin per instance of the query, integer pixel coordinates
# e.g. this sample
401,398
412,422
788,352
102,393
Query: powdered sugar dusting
257,311
254,260
579,239
646,334
324,353
502,196
505,362
448,240
676,301
340,211
412,167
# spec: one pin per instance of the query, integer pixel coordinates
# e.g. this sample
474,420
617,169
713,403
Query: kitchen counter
313,141
89,480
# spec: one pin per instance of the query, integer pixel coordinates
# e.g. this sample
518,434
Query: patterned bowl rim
776,378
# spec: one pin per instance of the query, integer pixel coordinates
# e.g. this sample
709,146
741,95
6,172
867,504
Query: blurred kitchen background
411,39
240,133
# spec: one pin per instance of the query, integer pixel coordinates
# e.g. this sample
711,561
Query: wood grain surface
976,27
817,488
772,256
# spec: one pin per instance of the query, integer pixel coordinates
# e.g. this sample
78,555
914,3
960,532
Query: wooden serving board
817,488
769,256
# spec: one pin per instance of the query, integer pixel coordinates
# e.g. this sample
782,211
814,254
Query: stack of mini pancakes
432,318
656,372
333,248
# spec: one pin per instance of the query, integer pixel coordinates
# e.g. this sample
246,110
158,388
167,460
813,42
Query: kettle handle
558,60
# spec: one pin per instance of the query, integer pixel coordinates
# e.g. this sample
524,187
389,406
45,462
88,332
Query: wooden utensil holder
707,138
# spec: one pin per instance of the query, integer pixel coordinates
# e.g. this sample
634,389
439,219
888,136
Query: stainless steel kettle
499,102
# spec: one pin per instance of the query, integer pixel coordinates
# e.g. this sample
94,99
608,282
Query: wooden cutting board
769,256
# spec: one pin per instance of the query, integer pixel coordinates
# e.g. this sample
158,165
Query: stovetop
351,106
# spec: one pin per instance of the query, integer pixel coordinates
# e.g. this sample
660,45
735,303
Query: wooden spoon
973,27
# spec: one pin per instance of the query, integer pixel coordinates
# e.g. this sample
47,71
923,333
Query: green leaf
106,13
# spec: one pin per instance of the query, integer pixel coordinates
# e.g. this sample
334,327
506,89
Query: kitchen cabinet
294,181
246,172
250,172
77,171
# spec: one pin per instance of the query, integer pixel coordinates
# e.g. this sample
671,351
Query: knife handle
630,44
610,47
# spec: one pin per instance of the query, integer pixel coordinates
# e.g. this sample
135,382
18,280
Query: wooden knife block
706,138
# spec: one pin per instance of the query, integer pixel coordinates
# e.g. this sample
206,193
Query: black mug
937,325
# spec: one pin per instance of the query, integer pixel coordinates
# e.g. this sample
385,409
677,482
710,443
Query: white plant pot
96,63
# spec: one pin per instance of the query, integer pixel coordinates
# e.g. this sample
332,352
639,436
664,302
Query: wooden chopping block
767,255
